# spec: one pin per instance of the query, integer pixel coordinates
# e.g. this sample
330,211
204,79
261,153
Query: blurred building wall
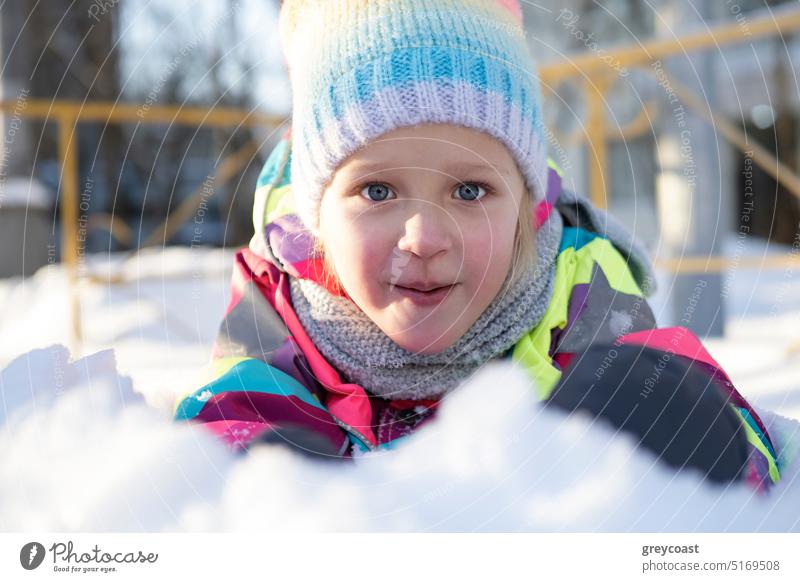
51,51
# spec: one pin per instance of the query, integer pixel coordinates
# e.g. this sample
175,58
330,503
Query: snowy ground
161,323
80,449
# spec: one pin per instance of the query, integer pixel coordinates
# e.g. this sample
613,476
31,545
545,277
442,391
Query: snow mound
81,451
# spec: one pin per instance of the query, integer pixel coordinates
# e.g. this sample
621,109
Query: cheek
365,260
360,253
488,252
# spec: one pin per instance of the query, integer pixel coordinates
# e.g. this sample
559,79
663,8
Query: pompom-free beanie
361,68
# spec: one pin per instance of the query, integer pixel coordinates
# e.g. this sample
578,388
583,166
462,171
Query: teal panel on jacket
576,237
250,375
272,166
754,425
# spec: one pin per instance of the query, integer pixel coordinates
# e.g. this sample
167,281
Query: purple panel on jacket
759,469
553,186
290,359
392,423
280,410
289,241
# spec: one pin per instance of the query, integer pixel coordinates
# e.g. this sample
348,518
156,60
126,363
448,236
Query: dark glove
301,441
672,405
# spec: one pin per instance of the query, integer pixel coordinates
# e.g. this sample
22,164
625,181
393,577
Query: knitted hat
361,68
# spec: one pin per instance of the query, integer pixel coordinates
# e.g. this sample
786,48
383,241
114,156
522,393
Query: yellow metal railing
595,77
67,115
590,65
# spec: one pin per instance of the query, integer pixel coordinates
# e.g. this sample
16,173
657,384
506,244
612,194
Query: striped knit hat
361,68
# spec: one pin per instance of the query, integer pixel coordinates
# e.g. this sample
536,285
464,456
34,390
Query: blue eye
471,191
376,192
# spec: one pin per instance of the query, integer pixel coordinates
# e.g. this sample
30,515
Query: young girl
408,229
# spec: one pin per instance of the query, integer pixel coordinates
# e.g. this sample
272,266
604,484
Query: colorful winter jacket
267,380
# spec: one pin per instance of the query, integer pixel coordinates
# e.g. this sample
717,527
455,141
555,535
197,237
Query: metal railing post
68,206
595,92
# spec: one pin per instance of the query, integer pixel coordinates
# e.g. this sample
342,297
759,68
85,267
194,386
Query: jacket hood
281,237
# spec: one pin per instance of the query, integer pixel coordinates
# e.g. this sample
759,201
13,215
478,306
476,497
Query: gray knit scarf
365,355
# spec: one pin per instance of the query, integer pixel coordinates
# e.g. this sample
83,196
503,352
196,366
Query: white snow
26,194
88,444
87,454
81,451
161,323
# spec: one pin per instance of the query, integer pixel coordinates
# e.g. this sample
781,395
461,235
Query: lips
423,287
433,296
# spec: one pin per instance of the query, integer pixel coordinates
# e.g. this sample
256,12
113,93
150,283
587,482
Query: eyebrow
454,168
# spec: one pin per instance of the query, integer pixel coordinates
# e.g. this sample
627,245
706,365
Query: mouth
425,298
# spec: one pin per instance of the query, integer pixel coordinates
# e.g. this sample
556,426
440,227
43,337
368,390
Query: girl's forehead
434,146
449,166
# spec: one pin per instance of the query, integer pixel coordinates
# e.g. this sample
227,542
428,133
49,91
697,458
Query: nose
426,232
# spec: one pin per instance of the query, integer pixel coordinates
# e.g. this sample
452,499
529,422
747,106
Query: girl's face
419,226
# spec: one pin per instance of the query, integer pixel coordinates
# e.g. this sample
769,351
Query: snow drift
81,450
